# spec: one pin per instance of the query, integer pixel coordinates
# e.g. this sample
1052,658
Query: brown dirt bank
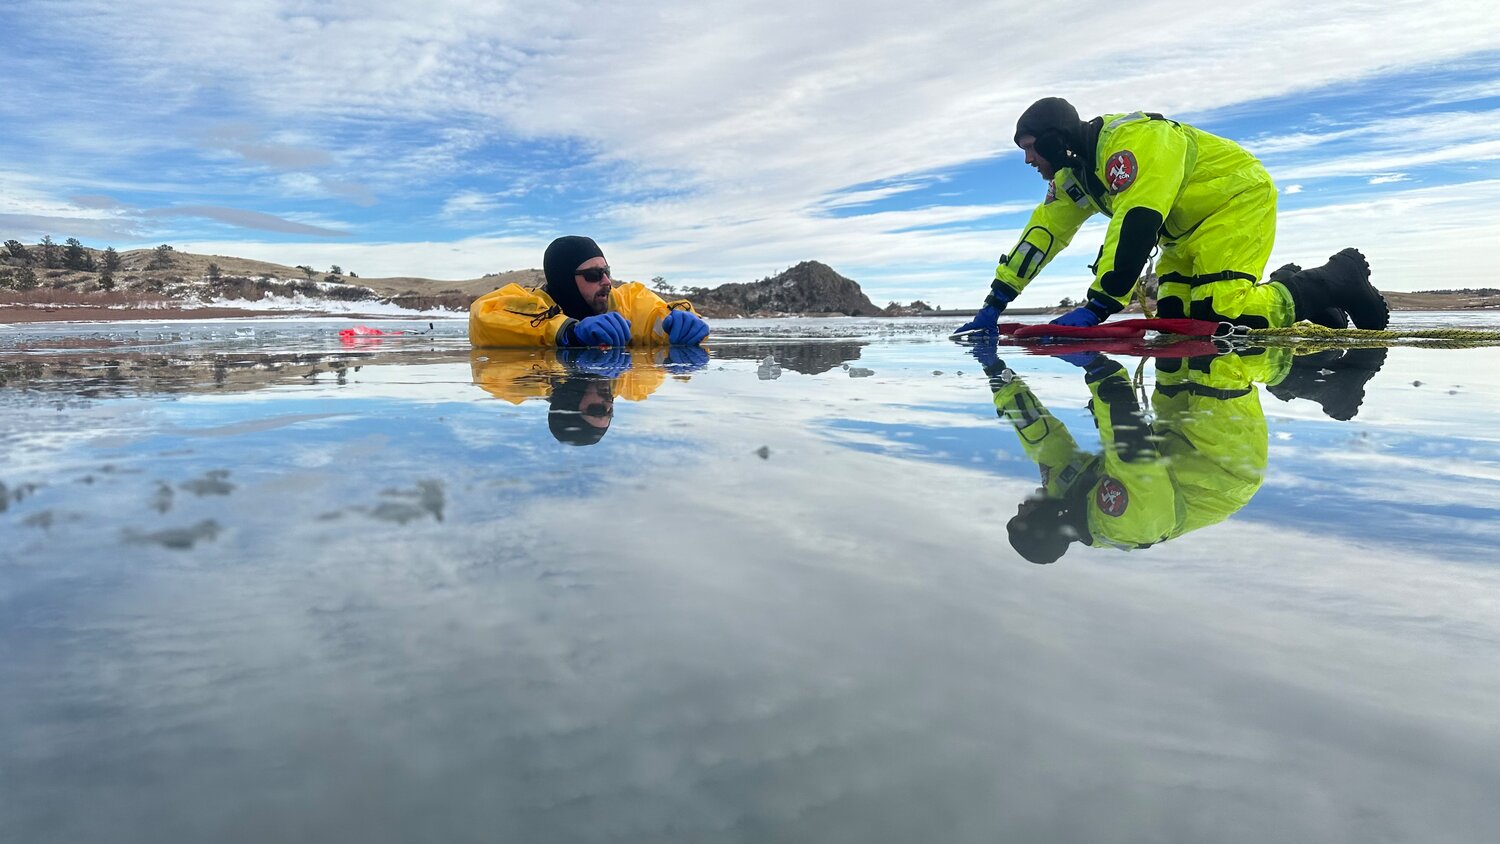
16,314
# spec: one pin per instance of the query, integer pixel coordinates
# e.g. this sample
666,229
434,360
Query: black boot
1331,317
1343,282
1335,379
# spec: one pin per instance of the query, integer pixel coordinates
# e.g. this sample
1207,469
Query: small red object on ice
363,334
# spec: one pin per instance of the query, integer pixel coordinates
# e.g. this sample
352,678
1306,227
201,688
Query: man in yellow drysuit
1207,202
1199,462
581,306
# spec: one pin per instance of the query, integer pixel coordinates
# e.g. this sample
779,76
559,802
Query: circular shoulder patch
1111,497
1120,170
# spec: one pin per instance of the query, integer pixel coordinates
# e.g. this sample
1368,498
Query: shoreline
28,314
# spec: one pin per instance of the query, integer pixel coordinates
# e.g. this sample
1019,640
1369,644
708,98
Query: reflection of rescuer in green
1209,205
1201,461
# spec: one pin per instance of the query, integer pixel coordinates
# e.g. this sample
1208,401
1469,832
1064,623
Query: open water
260,584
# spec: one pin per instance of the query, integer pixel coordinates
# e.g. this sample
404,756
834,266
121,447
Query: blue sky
716,141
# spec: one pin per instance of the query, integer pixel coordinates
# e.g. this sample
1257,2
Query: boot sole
1367,315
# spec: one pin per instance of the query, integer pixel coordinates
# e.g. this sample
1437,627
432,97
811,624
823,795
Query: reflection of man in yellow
580,385
1201,461
580,409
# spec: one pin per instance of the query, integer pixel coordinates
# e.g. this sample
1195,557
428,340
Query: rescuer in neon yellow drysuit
581,306
1200,462
1208,203
580,384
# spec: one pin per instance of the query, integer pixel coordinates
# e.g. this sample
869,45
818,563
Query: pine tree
18,251
161,258
49,252
75,257
111,259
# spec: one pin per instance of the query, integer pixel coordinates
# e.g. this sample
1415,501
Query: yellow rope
1323,335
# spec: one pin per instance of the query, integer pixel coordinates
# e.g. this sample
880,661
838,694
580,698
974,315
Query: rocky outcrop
808,288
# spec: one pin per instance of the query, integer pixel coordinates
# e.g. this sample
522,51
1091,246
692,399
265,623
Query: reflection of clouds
670,638
1437,505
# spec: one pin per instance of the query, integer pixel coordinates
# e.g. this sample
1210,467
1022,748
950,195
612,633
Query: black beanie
1040,530
1055,124
564,411
560,264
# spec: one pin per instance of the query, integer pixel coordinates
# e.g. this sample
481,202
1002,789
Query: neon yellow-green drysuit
1209,204
1200,462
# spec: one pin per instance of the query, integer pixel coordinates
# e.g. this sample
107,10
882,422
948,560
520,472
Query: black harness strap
1207,278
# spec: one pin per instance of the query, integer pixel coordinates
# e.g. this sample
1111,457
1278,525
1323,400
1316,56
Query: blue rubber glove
1082,359
686,358
609,329
984,321
1084,317
684,328
987,353
989,314
609,363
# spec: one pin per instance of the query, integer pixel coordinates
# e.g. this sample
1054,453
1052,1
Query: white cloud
1389,178
864,197
467,203
241,218
1272,145
1365,164
461,259
1419,238
1291,189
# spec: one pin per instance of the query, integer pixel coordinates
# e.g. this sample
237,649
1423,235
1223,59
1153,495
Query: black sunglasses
594,275
598,410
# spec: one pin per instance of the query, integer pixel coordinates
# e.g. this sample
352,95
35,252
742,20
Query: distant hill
165,273
1444,300
808,288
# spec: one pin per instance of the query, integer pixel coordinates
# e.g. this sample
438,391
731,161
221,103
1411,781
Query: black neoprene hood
564,416
560,263
1055,124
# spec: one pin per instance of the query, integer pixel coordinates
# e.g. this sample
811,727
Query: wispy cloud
468,203
1418,238
1377,163
32,227
241,218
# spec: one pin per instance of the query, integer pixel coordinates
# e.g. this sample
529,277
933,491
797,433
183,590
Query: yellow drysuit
523,316
516,375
